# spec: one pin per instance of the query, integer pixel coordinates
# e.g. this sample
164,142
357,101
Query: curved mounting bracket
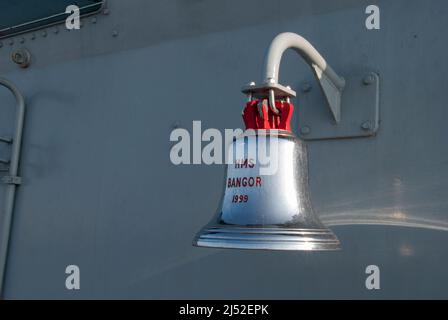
332,85
360,98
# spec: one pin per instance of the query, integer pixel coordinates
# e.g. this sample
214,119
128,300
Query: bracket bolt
366,126
368,79
22,57
306,87
12,180
305,130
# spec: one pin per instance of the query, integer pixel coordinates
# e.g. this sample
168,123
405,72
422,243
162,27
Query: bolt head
366,126
21,57
18,57
368,79
305,130
306,87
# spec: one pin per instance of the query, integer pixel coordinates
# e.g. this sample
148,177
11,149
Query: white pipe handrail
12,180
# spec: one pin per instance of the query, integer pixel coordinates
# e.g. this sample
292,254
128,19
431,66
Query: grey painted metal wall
100,192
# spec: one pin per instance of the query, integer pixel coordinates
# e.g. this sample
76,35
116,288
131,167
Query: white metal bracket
330,91
6,140
331,84
360,110
12,180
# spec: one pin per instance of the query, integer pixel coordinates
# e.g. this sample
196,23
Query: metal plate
359,110
262,91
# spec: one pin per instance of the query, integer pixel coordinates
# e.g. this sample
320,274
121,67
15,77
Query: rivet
366,126
21,57
1,44
22,40
368,79
44,34
94,20
11,42
305,130
33,36
106,11
18,57
115,33
56,30
306,87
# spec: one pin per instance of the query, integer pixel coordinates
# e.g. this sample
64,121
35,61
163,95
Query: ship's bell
267,205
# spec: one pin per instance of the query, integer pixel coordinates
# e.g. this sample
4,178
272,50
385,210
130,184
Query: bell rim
276,239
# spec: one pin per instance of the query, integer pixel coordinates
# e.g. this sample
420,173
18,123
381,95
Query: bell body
266,202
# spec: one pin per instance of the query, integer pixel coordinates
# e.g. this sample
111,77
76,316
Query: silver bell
267,205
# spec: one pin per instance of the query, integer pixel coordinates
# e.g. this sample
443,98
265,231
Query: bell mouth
268,239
